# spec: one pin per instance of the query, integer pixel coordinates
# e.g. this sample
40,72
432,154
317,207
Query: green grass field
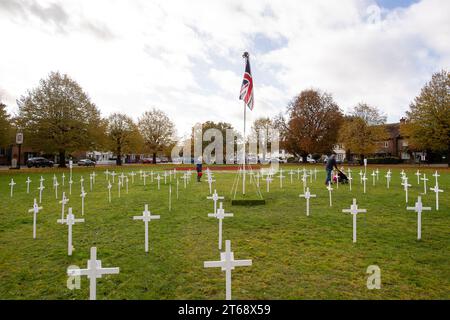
294,256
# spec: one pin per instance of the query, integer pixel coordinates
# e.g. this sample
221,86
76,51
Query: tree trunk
119,156
62,159
154,158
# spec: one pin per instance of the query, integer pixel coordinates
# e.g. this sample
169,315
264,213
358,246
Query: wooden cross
220,215
354,211
12,183
436,190
70,221
63,202
28,184
146,217
307,196
419,208
214,198
35,211
93,271
227,264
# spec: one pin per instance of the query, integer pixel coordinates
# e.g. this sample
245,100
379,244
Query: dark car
86,163
39,162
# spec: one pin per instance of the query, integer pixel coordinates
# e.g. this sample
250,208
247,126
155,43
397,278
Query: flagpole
243,176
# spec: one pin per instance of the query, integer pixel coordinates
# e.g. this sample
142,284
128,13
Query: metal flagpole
243,176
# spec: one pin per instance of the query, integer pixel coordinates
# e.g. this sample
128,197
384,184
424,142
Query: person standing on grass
331,163
199,168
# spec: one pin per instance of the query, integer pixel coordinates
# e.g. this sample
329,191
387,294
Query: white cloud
185,56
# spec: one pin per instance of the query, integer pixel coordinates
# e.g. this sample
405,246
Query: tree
5,126
313,123
428,121
363,130
157,130
221,126
58,116
122,134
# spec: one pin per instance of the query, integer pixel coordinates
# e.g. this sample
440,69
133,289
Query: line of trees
58,117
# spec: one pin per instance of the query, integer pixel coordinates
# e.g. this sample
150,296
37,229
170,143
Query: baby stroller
341,176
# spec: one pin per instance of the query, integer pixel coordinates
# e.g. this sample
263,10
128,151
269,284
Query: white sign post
35,211
227,263
354,211
93,271
220,215
146,217
419,208
307,196
70,221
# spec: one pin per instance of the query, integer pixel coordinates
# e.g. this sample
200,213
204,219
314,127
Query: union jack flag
247,84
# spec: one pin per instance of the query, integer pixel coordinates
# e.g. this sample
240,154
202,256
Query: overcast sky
184,57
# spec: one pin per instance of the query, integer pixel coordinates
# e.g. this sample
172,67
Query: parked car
39,162
150,160
86,163
311,160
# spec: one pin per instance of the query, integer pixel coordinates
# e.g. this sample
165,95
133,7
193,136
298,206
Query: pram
341,176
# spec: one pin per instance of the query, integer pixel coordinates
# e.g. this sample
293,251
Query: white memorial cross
220,214
424,179
373,177
70,221
151,176
354,211
91,179
330,188
93,271
281,178
388,179
307,196
119,185
165,177
336,175
63,179
364,179
210,181
145,175
315,173
35,211
377,172
126,184
291,173
227,263
178,183
41,188
406,185
122,178
268,181
12,183
304,181
82,195
132,174
360,176
28,184
54,179
41,180
418,174
350,179
146,217
310,175
437,190
55,186
70,185
106,173
184,177
81,182
436,175
159,180
113,174
419,208
214,198
109,191
63,203
93,176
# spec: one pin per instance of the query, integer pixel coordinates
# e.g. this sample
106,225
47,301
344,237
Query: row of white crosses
146,218
227,262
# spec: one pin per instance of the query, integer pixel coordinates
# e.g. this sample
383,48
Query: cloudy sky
185,56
